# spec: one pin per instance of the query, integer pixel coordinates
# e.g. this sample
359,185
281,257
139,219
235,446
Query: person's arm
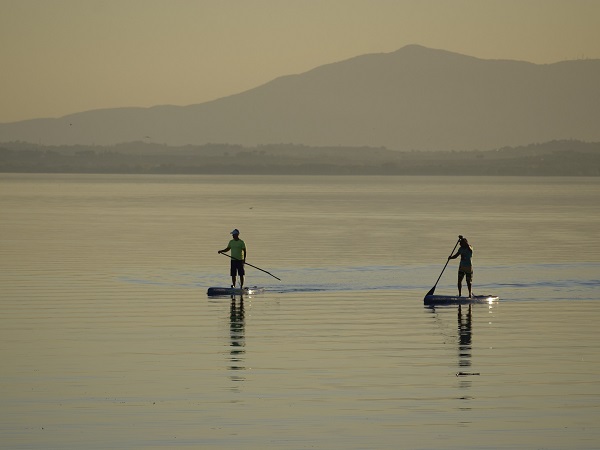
454,256
244,254
224,250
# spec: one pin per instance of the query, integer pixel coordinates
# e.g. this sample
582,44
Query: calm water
109,341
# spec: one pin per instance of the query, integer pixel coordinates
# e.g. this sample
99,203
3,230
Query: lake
108,339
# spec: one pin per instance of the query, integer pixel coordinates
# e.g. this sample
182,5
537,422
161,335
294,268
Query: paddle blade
430,292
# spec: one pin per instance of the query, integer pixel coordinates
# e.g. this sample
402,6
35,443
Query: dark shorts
237,268
465,272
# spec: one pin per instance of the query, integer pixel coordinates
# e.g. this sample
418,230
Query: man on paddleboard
465,268
238,257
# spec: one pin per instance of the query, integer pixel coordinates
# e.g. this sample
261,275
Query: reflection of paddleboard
221,291
456,300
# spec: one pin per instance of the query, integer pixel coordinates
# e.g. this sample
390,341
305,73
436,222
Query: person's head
464,242
235,233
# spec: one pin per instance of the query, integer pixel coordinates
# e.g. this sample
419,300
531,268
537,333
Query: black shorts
467,273
237,267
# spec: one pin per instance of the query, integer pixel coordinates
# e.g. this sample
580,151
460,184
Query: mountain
414,98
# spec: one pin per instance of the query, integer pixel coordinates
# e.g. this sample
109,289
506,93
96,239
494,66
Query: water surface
109,341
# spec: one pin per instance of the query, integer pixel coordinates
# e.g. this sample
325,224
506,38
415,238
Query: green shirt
236,248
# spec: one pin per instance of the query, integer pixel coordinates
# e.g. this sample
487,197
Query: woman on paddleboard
465,268
238,257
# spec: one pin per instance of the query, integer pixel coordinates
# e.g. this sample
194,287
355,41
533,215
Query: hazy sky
65,56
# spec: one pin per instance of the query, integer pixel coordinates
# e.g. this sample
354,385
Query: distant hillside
557,158
412,99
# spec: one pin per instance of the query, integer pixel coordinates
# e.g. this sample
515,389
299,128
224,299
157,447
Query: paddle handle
447,261
248,264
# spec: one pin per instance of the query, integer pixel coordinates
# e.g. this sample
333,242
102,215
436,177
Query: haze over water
109,341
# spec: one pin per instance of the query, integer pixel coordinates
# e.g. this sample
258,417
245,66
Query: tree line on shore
554,158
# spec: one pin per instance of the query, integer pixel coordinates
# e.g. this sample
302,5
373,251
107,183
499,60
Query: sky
65,56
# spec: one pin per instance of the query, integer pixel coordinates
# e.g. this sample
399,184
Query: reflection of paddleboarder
238,257
236,328
465,268
237,342
464,343
464,335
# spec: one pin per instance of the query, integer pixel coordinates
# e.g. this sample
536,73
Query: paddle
433,288
251,265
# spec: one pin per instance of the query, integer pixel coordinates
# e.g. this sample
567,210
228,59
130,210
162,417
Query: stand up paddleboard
228,291
456,300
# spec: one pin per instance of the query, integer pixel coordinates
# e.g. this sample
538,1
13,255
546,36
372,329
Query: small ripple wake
519,282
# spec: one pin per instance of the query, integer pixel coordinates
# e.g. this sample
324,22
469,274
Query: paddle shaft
447,261
247,264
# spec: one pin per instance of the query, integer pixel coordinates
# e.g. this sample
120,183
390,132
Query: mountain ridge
414,98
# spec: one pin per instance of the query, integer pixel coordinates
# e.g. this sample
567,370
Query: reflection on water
465,335
237,338
464,344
